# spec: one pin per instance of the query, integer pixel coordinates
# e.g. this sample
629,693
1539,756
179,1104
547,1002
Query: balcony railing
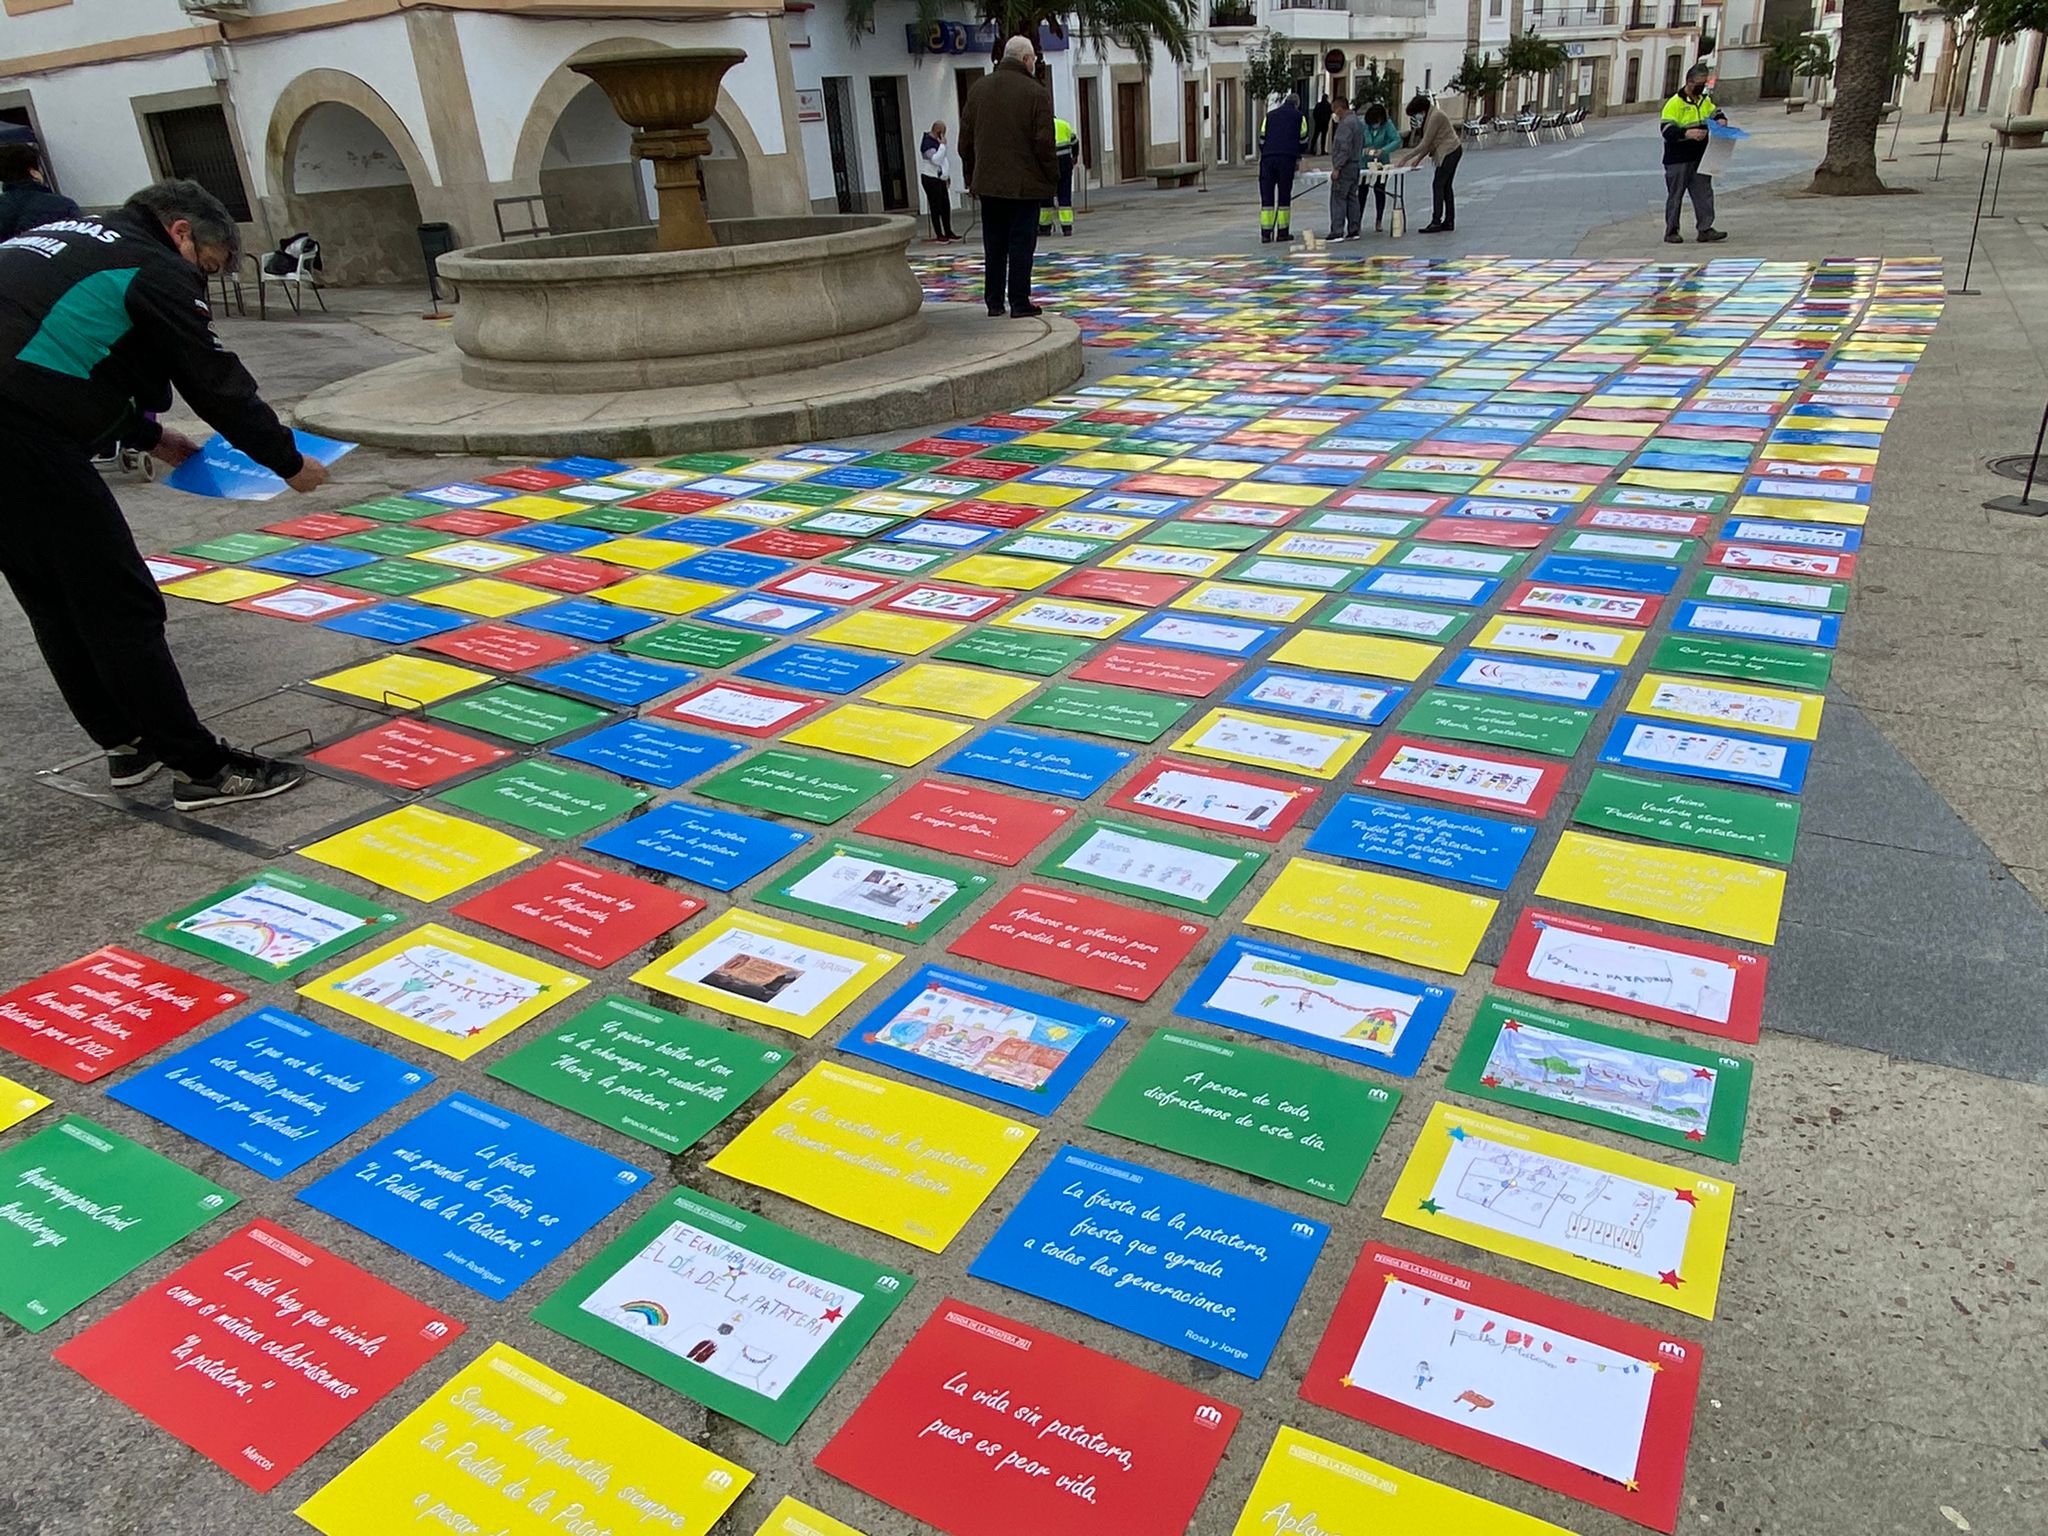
1569,15
1642,17
1685,15
1233,16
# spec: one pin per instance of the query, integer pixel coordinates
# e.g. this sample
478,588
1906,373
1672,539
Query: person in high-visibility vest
1066,148
1281,147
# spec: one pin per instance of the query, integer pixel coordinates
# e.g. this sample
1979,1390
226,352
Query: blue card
1827,536
702,530
1833,490
1350,700
1304,474
460,493
397,623
1788,626
1209,1273
581,619
583,467
818,667
1425,587
857,477
1400,835
1639,576
943,535
311,560
1826,439
555,538
273,1091
721,849
1124,505
615,679
769,615
650,754
1352,1012
1665,746
1020,1048
1051,765
485,1196
221,469
1213,637
982,434
1691,463
1531,677
731,568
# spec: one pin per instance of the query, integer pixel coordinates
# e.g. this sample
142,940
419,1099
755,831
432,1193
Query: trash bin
436,241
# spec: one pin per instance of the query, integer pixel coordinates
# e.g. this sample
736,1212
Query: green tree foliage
1137,24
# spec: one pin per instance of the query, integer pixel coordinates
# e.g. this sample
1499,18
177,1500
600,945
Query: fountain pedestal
665,96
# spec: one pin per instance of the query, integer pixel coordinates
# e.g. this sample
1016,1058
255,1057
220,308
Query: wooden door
1130,154
1191,121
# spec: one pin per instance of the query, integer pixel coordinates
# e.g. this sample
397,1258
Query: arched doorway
587,174
347,186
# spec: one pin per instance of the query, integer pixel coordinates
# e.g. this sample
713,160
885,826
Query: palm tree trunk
1863,78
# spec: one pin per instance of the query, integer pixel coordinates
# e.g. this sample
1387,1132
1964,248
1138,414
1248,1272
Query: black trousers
1443,204
1009,239
940,200
98,618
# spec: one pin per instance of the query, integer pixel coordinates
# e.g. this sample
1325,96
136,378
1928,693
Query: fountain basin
606,310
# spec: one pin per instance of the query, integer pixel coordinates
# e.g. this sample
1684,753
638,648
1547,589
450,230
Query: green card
707,463
1626,546
1019,453
394,578
541,797
1094,710
801,493
272,925
1749,661
612,518
750,1319
1691,815
649,1074
518,713
1053,546
85,1207
1385,525
1204,535
798,784
393,539
1378,616
1455,559
231,547
1280,571
1307,1127
878,890
1039,655
1553,1064
390,509
1556,729
1167,867
1414,480
891,561
698,644
909,463
1539,454
1778,591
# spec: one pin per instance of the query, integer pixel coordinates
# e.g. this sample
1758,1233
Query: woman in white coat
935,165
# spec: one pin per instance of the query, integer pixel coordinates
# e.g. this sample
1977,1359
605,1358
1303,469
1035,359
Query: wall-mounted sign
1333,62
810,106
958,37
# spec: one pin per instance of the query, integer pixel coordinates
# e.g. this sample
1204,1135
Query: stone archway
344,167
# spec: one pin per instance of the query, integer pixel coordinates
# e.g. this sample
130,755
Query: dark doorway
1191,121
1673,63
885,95
963,82
1130,157
193,144
1632,89
839,130
1087,84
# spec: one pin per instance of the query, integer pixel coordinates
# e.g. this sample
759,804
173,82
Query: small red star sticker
1511,1024
834,1315
1702,1072
1687,1197
1489,1081
1695,1135
1670,1277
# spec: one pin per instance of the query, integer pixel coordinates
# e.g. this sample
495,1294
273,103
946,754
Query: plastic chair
295,280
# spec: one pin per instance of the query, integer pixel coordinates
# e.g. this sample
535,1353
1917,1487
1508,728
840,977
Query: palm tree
1863,83
1136,24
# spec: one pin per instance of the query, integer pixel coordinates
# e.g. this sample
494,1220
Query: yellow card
510,1448
17,1102
1212,469
641,554
1319,1486
1530,486
1171,562
793,1517
402,679
1611,402
1265,741
1557,637
444,990
1621,1222
486,597
885,735
1681,480
896,633
420,853
894,503
1346,548
969,691
769,971
1022,494
1667,885
1822,453
1367,655
535,507
663,594
1055,616
907,1163
1376,914
1581,424
476,555
1005,571
1794,509
1123,461
1745,707
226,585
1090,525
1264,494
1231,600
1060,440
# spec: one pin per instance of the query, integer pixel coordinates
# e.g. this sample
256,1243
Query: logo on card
1014,1131
434,1330
627,1176
887,1283
718,1479
1671,1350
1209,1416
1304,1229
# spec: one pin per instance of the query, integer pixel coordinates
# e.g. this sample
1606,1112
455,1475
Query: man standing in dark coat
24,201
1012,165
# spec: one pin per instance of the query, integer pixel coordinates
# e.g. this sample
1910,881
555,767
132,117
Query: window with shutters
193,144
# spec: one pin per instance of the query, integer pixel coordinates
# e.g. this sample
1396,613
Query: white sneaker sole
129,781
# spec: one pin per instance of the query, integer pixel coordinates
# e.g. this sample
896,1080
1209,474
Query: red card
746,709
1083,941
1712,434
1138,589
1646,975
564,573
165,568
1570,1399
1157,670
260,1351
1168,485
411,754
1784,562
468,520
280,604
826,584
1578,474
1400,503
504,647
1655,520
1477,530
943,600
987,469
1242,514
986,1427
1555,601
975,823
949,447
796,546
589,914
676,501
320,525
531,478
1215,799
1460,774
104,1010
988,514
1590,440
1008,423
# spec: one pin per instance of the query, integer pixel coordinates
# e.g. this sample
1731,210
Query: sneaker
1028,312
996,312
245,776
1282,238
1710,236
1430,229
1674,238
130,765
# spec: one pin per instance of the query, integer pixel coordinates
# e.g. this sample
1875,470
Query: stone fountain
693,332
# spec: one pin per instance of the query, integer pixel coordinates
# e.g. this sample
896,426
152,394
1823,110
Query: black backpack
293,252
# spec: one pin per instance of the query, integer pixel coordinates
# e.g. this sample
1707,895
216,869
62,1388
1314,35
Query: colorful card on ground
409,754
507,1421
1697,753
1554,729
272,925
84,1207
719,849
544,799
1304,1477
1485,780
1047,765
1216,800
105,1010
1670,885
487,1197
260,1351
17,1102
1675,1095
771,972
983,1426
649,1074
1296,1124
1019,1048
1125,1243
799,785
419,852
894,894
273,1091
1690,815
1389,915
1630,970
1080,941
1618,1221
1235,735
649,754
1475,849
584,913
902,1161
1195,874
974,823
1123,713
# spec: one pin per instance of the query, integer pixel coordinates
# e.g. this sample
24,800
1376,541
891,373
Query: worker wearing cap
1282,143
25,202
1066,149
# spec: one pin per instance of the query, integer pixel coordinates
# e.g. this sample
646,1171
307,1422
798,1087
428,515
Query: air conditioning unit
218,10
